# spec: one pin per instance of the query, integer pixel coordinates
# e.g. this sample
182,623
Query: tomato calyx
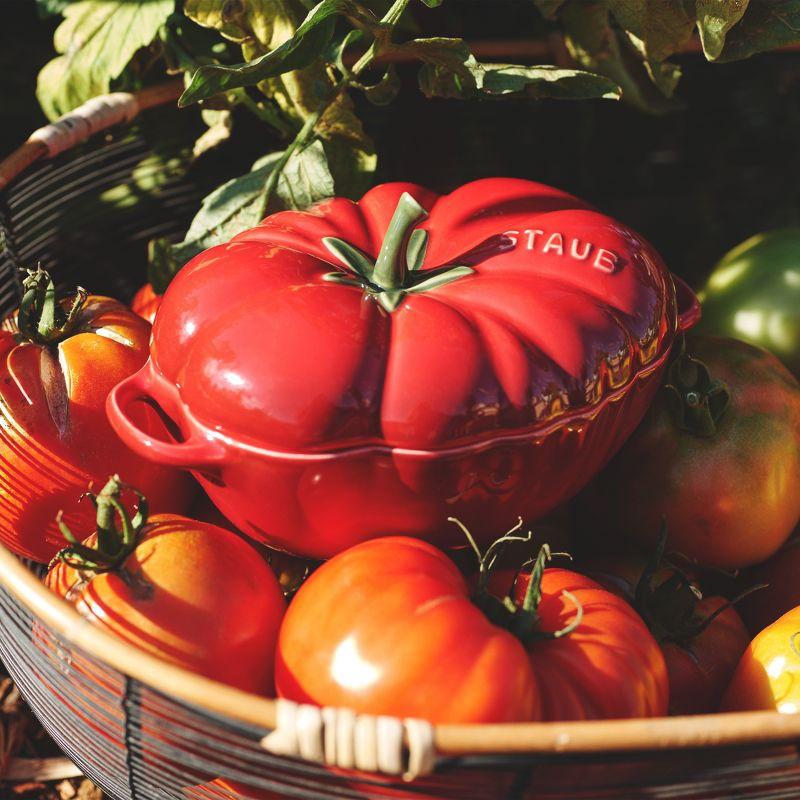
43,318
669,608
114,544
697,400
396,271
522,620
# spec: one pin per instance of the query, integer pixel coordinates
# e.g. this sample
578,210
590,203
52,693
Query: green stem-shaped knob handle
390,266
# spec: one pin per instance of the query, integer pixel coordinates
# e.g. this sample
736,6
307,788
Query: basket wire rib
139,744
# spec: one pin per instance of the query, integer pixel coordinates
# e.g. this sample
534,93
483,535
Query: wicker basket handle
98,114
196,452
341,738
92,117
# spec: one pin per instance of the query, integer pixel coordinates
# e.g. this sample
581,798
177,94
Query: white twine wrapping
340,738
93,116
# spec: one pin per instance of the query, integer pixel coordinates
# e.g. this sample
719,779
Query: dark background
696,181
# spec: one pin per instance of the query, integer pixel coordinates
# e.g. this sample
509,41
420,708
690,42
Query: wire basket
146,730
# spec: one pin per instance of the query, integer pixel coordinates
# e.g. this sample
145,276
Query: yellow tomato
768,675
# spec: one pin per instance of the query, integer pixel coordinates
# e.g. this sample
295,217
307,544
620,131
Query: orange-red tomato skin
609,667
197,596
146,302
730,500
782,591
768,674
387,627
700,670
54,436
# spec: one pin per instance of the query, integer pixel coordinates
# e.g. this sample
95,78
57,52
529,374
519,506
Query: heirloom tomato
60,359
390,627
380,365
781,578
189,592
753,294
146,302
768,674
702,638
716,457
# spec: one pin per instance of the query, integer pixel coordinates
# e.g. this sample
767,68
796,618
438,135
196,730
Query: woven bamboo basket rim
535,738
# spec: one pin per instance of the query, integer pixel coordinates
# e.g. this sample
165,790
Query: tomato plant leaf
306,178
97,39
594,43
764,26
235,206
658,29
439,50
545,81
220,126
352,165
270,22
51,8
297,52
714,19
385,90
446,71
497,80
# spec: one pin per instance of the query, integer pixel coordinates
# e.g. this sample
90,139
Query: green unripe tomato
754,294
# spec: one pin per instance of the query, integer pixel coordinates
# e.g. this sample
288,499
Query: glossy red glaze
316,419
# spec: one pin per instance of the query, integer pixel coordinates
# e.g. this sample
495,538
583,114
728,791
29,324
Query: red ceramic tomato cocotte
375,367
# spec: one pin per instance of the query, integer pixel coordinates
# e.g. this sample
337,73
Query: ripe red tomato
189,592
782,590
702,638
146,302
768,674
290,570
389,627
580,675
716,457
59,361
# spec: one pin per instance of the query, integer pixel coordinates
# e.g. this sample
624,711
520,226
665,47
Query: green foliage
236,206
97,40
631,41
501,80
714,19
51,8
296,64
765,26
297,52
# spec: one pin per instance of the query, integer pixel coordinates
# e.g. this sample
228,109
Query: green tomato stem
41,318
307,133
113,545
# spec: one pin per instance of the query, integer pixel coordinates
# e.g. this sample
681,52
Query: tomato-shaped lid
414,320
